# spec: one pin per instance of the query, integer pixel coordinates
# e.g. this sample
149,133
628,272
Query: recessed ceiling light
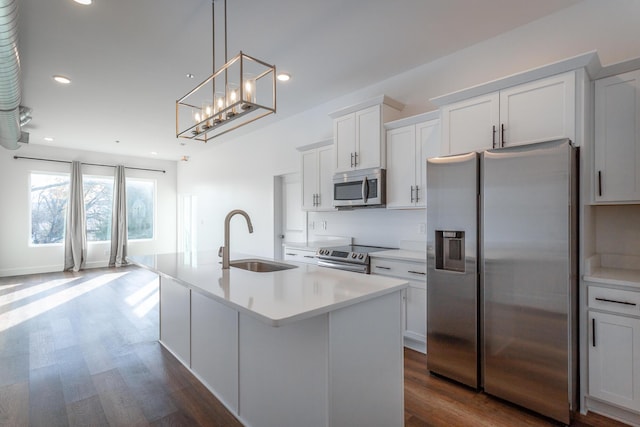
153,153
62,79
83,1
284,77
190,75
48,138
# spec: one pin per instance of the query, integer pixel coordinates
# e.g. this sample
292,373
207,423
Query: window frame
30,243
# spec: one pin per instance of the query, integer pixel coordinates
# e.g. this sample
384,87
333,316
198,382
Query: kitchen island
306,346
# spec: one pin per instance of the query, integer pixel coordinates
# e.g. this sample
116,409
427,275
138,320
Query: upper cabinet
410,142
540,110
317,176
359,135
617,138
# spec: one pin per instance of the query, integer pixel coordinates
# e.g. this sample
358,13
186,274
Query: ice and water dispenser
450,250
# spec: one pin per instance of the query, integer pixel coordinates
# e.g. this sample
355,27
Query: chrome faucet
224,250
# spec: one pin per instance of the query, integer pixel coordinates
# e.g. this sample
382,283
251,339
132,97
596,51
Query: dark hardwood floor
80,349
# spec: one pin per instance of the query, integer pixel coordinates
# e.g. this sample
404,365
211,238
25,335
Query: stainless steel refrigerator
502,273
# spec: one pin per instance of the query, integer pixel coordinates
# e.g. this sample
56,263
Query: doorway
290,221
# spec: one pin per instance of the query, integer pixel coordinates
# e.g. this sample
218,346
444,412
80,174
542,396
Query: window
49,195
140,195
98,205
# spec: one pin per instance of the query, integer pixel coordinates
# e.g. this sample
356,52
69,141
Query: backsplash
376,227
618,230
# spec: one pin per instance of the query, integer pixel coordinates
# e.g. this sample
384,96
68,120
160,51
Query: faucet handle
220,251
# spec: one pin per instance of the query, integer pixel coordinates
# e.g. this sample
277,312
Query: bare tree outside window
98,205
49,195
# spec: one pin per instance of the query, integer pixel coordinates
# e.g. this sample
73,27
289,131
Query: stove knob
360,256
353,255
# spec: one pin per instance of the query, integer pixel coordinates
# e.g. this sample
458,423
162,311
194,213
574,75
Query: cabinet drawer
415,271
300,255
614,300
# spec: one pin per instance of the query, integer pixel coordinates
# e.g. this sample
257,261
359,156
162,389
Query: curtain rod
89,164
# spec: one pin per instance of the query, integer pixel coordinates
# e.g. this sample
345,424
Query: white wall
239,173
18,257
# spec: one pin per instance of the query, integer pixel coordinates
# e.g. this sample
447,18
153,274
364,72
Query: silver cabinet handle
412,194
352,160
502,135
616,302
417,272
290,254
317,199
309,256
593,332
417,195
383,268
355,156
599,183
493,144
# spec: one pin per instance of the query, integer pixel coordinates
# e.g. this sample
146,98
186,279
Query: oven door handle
358,268
365,190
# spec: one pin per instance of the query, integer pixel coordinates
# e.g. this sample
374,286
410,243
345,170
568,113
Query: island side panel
366,365
214,348
283,373
175,319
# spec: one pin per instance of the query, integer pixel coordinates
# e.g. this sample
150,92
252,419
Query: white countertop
401,254
275,298
614,276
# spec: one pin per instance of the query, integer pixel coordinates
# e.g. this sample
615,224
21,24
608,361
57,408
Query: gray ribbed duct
10,84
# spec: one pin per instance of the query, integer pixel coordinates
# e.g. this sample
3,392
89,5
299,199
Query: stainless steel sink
260,266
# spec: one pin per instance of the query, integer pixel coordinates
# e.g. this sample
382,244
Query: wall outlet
422,228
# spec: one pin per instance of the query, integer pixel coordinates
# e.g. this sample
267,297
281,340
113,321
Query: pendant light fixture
241,91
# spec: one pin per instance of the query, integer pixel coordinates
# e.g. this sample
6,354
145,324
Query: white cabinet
532,112
614,346
409,146
175,319
300,255
414,298
317,178
617,138
359,135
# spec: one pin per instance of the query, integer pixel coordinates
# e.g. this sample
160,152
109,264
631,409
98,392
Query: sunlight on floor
145,299
32,290
33,309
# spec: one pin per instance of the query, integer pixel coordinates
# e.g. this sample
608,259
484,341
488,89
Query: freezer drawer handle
593,329
417,272
616,302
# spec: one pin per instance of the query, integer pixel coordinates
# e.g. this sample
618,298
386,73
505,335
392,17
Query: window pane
140,209
98,204
49,194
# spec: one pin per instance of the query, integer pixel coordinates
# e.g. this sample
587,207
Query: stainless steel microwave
359,188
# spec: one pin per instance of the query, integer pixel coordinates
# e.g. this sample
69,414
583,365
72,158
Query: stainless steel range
351,258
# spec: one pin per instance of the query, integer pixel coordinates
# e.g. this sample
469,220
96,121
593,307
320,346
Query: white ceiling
128,59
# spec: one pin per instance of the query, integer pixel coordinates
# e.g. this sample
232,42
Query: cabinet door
542,110
427,145
416,313
368,138
469,125
617,138
309,179
344,132
175,319
325,178
401,161
614,365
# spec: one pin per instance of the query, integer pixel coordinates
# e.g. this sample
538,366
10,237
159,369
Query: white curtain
119,221
75,239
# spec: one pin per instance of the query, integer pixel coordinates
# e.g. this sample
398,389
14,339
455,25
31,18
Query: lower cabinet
614,346
414,298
